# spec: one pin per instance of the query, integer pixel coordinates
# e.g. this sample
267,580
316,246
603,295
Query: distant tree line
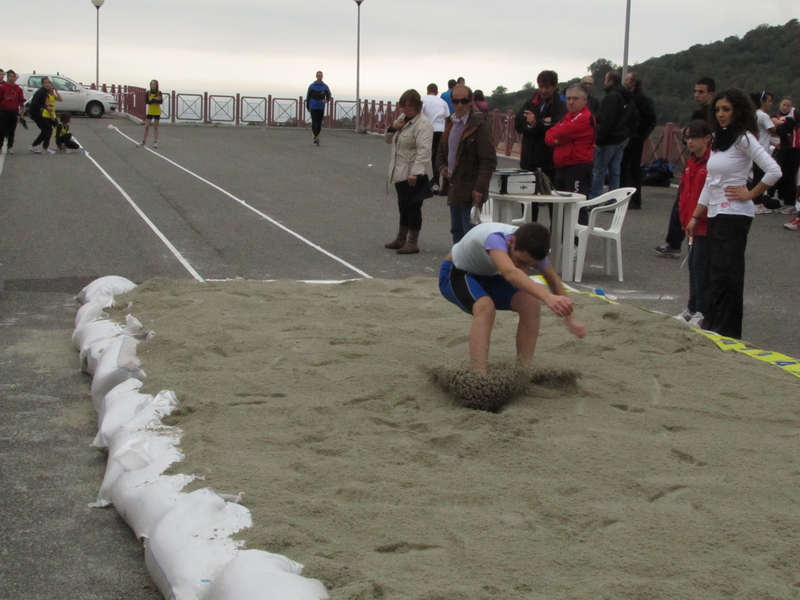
766,58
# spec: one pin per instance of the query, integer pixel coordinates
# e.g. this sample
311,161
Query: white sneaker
10,150
697,320
35,149
762,210
685,316
140,145
786,210
155,144
66,151
48,151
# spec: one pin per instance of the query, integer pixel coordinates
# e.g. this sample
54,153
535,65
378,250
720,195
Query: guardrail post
510,132
301,122
174,102
236,110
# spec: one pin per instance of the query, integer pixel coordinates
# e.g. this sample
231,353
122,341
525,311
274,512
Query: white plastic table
565,216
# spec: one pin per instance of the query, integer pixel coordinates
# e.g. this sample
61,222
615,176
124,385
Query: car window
63,84
35,82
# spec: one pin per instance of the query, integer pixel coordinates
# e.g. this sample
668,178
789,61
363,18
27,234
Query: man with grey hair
592,102
572,140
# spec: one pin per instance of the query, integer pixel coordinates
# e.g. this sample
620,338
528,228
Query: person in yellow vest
43,112
64,139
153,99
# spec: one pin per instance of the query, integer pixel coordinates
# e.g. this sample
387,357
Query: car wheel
95,109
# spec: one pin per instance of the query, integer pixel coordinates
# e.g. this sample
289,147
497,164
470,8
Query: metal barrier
374,117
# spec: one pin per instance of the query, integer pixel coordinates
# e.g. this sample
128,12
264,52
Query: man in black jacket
612,134
632,157
534,119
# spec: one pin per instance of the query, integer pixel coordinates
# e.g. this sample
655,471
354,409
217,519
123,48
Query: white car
74,97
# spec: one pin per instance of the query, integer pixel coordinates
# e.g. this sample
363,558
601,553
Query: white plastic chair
486,211
619,204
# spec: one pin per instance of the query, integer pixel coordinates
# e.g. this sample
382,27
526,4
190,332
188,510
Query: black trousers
317,115
437,136
8,125
410,199
631,169
727,242
576,179
675,235
46,131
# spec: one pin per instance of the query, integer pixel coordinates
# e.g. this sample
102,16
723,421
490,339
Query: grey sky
260,47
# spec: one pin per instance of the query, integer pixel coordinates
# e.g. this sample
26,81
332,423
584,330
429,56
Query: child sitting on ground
486,272
697,136
64,139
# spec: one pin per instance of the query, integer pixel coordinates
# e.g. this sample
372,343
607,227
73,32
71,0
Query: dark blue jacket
318,93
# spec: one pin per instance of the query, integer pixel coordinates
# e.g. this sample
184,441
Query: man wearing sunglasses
465,160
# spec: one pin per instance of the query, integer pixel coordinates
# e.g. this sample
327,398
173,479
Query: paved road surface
227,203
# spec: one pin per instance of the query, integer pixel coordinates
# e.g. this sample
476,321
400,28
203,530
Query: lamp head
98,3
356,1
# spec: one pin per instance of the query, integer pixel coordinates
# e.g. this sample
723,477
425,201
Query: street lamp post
358,67
627,36
97,5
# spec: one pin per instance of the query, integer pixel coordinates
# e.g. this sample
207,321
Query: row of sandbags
187,536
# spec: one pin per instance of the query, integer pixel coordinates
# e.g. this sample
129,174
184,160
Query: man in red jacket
573,140
11,102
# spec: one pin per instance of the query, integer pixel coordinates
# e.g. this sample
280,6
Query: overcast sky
260,47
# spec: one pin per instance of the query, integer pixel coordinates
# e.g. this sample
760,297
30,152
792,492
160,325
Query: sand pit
654,467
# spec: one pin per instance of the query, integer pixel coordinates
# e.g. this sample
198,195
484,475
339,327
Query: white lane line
169,245
255,210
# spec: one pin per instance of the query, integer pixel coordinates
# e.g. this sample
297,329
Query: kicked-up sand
641,462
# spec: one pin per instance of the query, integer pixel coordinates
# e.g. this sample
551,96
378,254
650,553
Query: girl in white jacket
730,207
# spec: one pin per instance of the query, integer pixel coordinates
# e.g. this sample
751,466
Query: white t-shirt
764,125
731,168
471,254
436,110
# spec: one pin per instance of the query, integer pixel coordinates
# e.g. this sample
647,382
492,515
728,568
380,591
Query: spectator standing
730,209
437,111
704,91
631,175
788,155
612,134
43,112
316,101
466,160
766,128
153,99
12,102
697,136
446,95
480,103
573,141
534,119
592,102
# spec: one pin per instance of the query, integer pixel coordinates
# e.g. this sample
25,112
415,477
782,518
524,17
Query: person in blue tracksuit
316,99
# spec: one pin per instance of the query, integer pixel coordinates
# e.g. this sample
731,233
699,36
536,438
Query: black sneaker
316,141
668,251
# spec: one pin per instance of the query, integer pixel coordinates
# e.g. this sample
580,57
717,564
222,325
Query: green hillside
766,58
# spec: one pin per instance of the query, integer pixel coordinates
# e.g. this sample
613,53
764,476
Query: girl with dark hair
411,136
730,209
153,99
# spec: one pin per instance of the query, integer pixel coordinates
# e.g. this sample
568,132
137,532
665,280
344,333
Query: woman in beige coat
411,138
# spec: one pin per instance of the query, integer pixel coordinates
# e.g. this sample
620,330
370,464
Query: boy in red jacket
697,136
12,100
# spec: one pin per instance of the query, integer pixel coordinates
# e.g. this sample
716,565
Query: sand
664,468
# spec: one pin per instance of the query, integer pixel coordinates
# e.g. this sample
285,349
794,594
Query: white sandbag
144,496
88,333
134,449
111,285
125,393
190,545
124,405
93,310
259,575
117,363
90,355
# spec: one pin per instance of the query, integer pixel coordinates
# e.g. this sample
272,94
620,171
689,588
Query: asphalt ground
228,203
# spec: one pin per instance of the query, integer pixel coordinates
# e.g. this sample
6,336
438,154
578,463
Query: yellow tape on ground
787,363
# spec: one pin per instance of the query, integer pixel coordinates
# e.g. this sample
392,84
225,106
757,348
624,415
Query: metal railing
374,117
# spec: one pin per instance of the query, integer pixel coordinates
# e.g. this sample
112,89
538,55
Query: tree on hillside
599,68
499,90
